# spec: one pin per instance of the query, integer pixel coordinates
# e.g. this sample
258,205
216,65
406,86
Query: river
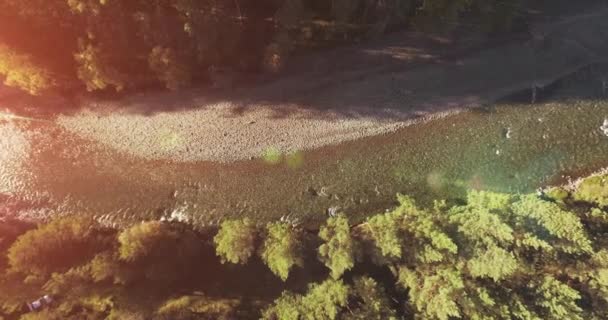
506,147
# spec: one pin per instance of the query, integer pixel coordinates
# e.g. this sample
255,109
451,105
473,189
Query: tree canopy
492,256
235,241
117,45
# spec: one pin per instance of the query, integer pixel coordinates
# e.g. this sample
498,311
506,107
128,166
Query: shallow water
61,173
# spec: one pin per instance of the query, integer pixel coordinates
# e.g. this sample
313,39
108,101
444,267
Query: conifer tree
337,251
235,241
281,250
55,247
322,301
369,301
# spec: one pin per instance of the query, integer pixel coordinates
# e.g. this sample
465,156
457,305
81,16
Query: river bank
300,162
548,143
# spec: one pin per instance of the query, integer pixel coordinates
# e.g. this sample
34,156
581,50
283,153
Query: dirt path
345,95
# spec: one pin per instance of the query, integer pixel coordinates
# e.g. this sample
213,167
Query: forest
118,45
493,256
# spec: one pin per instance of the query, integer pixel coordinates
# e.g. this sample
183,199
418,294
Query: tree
281,250
337,253
163,252
20,71
56,246
369,301
322,301
196,307
287,306
9,231
384,231
145,239
95,71
169,68
235,241
434,294
593,190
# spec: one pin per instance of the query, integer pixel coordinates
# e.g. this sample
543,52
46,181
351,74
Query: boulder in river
604,127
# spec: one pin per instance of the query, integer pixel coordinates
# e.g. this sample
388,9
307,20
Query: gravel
218,133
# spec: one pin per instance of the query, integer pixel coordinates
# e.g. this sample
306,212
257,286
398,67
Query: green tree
163,252
322,301
144,239
281,250
593,190
384,231
20,71
95,71
197,307
169,68
56,246
337,251
235,241
369,301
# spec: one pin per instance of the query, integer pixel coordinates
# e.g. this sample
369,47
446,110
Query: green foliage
147,239
495,263
322,301
95,72
430,242
163,252
9,231
196,307
117,44
55,247
488,200
21,72
288,306
558,301
384,231
107,266
235,241
557,194
171,70
337,253
370,302
563,225
497,257
518,243
481,226
281,250
593,190
435,294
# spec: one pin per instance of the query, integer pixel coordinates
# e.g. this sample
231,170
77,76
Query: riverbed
509,147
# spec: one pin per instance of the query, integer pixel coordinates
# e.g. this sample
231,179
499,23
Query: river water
46,171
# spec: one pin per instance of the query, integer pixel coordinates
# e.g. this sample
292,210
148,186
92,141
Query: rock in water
604,127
